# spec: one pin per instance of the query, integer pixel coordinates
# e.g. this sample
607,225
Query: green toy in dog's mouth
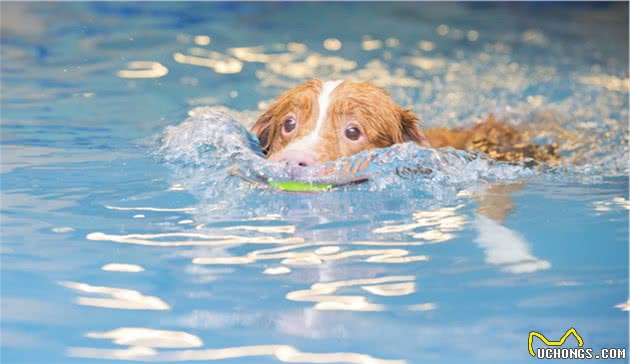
298,186
302,186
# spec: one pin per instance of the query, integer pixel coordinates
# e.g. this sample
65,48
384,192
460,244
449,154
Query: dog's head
321,121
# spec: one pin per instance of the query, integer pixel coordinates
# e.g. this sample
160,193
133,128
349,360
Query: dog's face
321,121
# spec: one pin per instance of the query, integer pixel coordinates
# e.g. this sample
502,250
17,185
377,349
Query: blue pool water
125,236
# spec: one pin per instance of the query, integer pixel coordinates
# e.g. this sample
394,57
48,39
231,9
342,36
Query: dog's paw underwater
211,149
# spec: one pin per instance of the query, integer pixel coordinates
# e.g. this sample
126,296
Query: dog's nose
298,158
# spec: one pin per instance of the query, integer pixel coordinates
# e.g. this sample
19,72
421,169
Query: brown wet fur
382,121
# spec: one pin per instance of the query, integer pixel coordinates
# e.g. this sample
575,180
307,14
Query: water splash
213,153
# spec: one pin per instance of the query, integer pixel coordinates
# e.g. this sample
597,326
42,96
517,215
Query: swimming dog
320,121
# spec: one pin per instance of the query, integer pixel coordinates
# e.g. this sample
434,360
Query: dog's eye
353,133
289,125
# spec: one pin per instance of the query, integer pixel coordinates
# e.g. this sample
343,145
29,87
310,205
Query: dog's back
497,139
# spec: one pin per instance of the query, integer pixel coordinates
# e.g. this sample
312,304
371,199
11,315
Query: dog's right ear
410,128
263,128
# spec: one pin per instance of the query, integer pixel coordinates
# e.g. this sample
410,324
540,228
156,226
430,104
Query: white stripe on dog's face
324,102
309,141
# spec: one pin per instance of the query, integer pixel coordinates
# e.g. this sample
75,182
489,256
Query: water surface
117,245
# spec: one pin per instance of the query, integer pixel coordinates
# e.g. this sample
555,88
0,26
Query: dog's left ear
410,128
263,128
